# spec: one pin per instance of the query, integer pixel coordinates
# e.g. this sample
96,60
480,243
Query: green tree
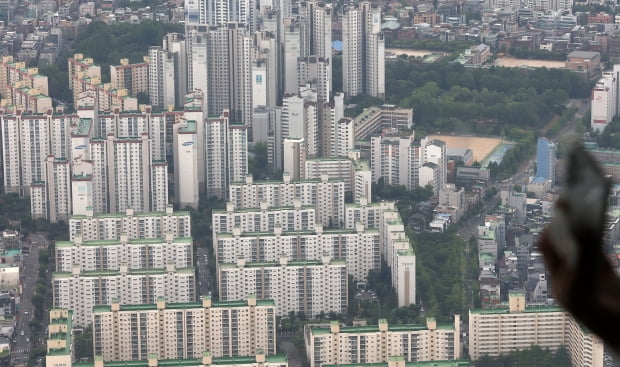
83,345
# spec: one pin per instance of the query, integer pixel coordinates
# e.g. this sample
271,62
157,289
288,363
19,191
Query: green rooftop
192,362
505,310
457,363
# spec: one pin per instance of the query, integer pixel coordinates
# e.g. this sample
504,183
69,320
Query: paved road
204,282
29,272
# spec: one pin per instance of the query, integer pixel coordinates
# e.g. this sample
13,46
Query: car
22,333
27,340
25,312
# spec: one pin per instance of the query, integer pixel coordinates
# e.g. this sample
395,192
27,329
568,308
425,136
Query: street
29,272
204,285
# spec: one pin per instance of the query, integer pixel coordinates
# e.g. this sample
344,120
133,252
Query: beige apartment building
205,360
336,345
184,330
60,339
518,326
133,77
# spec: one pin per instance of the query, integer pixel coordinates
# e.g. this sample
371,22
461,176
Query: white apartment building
161,78
132,224
264,219
226,156
51,199
294,153
395,157
229,58
359,247
310,287
207,360
375,119
336,345
341,168
184,330
363,51
80,291
518,326
27,141
144,253
124,175
326,195
370,214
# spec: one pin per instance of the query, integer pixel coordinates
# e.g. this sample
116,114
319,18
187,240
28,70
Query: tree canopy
491,101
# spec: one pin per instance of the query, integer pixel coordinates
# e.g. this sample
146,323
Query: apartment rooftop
456,363
185,305
193,362
506,310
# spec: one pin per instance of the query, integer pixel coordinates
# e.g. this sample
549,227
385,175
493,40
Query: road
204,280
29,272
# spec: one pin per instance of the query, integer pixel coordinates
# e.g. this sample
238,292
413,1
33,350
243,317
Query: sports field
481,147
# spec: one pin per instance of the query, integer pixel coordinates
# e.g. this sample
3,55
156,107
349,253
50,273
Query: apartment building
326,195
358,247
134,225
337,345
60,338
310,286
363,211
226,154
398,361
206,360
363,49
29,99
374,119
264,218
518,326
27,141
80,66
12,72
80,291
52,198
185,155
604,99
132,77
184,330
143,253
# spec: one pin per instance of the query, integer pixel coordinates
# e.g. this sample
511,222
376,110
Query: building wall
181,331
377,343
310,287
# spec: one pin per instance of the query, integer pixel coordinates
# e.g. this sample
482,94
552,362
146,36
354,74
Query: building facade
80,291
336,345
184,330
310,287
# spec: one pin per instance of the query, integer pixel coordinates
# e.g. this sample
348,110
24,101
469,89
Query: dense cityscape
296,183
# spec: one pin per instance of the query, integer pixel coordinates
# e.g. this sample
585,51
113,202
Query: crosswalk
19,351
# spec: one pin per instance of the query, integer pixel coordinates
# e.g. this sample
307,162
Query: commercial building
604,101
363,59
80,290
518,326
184,330
144,253
311,287
326,195
336,345
359,247
132,224
545,159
